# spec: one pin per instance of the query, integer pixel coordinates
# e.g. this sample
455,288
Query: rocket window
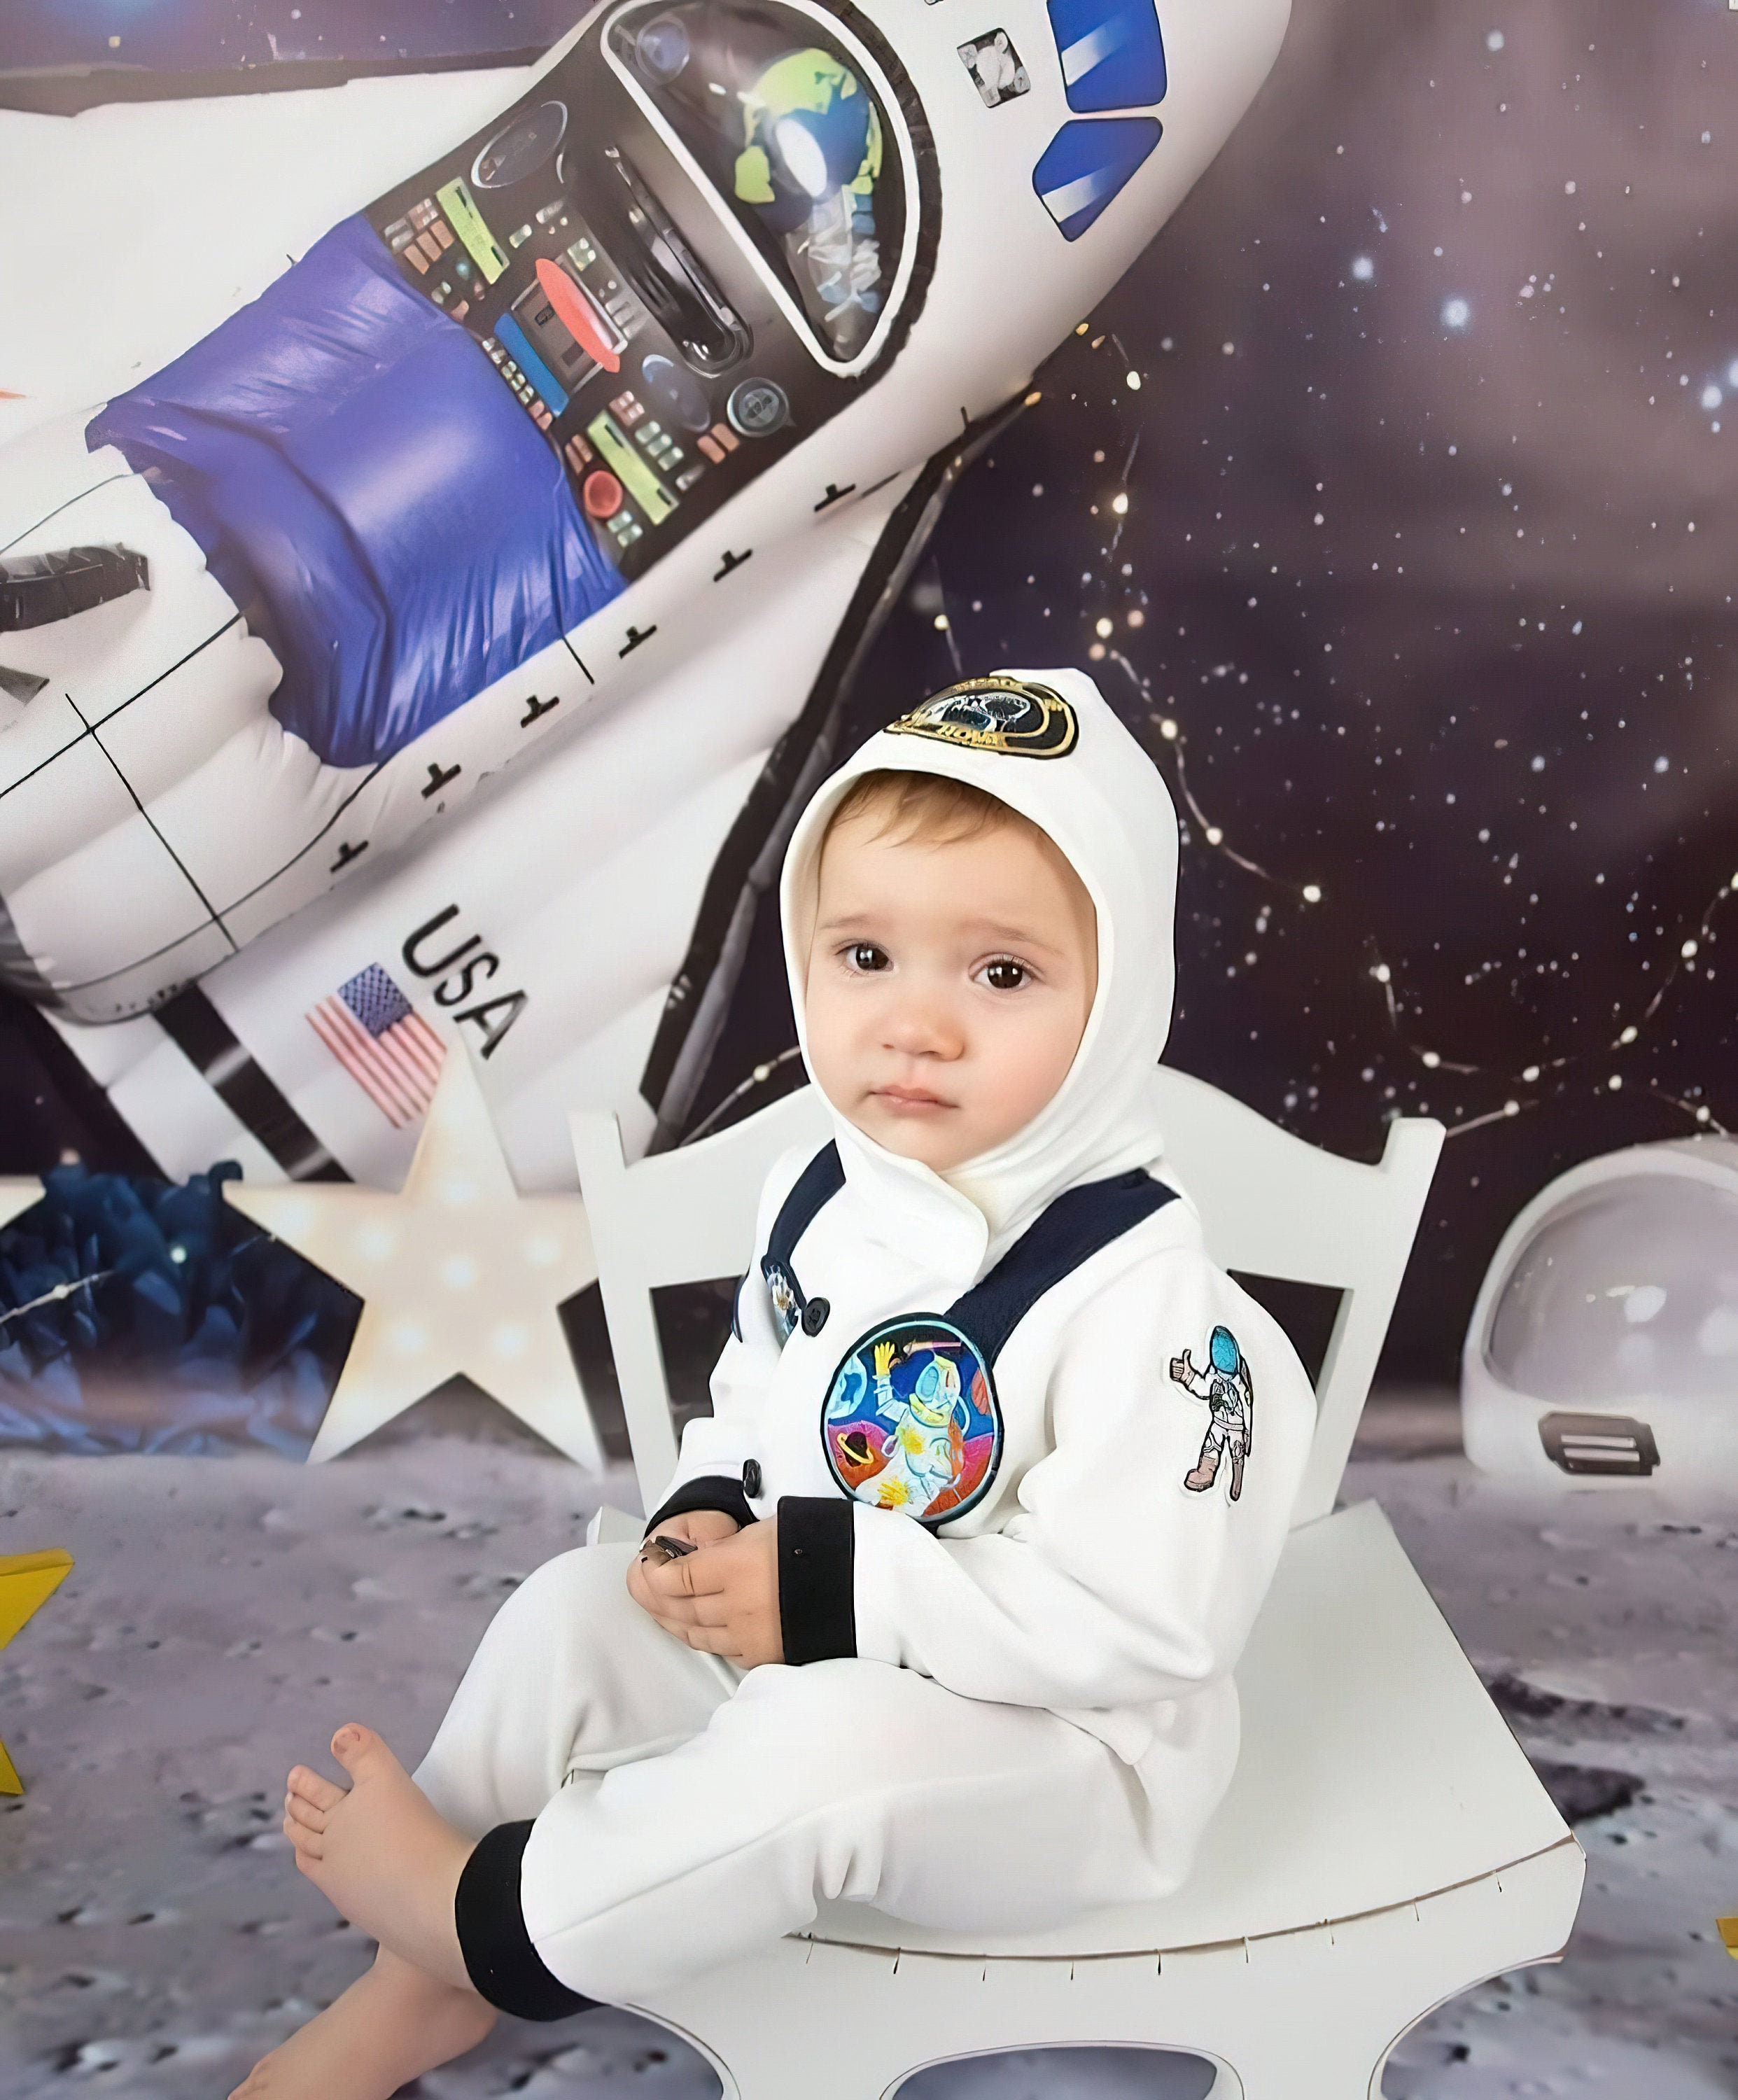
1111,51
792,136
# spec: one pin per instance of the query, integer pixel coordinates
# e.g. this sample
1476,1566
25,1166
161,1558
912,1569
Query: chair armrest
613,1527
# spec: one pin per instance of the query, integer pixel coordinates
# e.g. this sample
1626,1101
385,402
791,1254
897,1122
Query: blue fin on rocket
1112,53
1085,164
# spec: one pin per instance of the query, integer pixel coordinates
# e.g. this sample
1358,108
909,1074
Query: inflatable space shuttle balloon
440,648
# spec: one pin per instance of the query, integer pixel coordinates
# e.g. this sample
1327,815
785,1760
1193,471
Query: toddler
998,1469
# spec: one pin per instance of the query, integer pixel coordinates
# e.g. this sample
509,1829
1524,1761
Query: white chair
1385,1844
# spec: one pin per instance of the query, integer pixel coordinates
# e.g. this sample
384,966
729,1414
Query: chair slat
1270,1205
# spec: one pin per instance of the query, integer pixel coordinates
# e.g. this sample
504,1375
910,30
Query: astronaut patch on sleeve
1225,1384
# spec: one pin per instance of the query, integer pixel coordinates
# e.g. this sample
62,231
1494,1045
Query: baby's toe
307,1785
309,1844
303,1815
362,1754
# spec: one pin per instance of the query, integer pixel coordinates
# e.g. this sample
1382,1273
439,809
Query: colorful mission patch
911,1421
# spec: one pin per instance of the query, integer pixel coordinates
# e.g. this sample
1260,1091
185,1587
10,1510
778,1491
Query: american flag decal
384,1045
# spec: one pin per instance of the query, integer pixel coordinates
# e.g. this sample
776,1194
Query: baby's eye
866,955
1005,974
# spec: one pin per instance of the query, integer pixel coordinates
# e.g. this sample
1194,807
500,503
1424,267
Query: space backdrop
1389,497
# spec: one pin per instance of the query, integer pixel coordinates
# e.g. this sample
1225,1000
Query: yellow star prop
458,1272
27,1582
26,1579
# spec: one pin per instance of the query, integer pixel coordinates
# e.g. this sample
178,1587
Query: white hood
1057,754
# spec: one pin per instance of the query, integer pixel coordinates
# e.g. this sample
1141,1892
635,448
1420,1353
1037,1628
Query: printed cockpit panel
676,258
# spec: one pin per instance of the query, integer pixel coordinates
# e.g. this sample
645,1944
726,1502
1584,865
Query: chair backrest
1270,1205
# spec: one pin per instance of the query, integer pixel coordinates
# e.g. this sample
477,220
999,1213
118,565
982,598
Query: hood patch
1008,716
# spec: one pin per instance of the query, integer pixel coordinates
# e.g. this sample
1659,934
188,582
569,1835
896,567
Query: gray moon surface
225,1615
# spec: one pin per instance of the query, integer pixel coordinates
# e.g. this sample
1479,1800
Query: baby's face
948,985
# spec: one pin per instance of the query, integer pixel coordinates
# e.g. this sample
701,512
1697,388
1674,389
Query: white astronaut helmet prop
1603,1350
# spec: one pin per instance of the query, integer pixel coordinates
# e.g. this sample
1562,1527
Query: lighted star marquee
458,1274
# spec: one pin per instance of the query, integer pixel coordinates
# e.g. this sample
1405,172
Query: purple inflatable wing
366,489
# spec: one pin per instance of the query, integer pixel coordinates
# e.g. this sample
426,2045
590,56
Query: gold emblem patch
996,714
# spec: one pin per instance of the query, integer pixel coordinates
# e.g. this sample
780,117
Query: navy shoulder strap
1079,1224
818,1183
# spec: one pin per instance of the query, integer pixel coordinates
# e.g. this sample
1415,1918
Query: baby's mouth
909,1100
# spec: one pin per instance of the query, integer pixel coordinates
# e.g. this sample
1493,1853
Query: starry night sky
1422,595
1393,486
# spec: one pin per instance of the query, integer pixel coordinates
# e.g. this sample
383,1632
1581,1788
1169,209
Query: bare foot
391,2026
380,1853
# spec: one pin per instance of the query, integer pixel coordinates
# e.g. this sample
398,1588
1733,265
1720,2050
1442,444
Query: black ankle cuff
503,1965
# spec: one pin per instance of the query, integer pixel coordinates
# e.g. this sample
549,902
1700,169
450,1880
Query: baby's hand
699,1527
702,1527
723,1599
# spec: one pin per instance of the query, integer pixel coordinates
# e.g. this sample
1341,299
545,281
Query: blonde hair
930,807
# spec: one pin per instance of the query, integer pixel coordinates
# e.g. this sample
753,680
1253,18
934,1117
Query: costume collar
909,1209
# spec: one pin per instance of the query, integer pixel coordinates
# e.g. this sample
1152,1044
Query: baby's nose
925,1035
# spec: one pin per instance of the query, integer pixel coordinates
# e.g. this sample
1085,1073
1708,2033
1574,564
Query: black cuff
816,1541
711,1491
503,1965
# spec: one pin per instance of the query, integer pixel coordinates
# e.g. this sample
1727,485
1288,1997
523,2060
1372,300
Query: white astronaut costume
1007,1697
